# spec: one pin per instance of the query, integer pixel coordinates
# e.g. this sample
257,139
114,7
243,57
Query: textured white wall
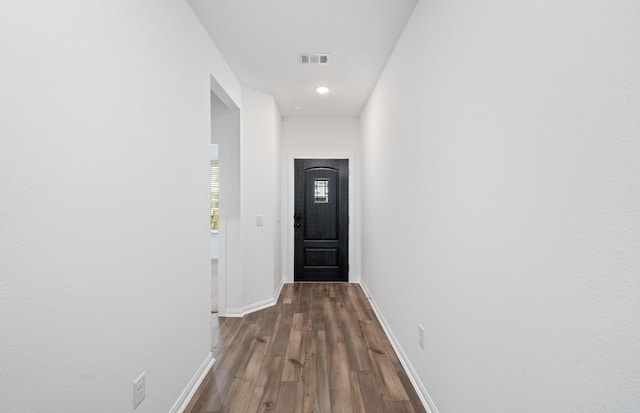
317,138
500,203
104,247
260,192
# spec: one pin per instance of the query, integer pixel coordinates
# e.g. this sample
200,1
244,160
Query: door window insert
321,191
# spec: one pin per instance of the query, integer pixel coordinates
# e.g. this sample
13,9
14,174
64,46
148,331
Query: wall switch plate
421,336
139,390
259,220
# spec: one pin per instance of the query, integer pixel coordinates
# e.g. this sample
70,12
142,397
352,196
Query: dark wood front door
321,220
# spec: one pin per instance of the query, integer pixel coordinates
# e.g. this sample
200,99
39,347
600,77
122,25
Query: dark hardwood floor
320,349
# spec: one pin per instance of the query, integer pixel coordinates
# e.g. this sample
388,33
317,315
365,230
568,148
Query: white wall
103,215
215,245
500,150
320,138
260,192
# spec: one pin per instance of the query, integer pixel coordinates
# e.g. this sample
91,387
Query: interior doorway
225,135
214,222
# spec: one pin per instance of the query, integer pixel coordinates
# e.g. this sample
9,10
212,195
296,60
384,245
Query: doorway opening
214,222
225,205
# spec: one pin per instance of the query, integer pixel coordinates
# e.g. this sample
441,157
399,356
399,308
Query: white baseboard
261,305
276,295
426,400
192,387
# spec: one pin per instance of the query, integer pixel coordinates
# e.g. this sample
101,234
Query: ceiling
262,40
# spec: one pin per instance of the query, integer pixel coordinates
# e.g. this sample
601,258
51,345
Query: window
215,197
321,191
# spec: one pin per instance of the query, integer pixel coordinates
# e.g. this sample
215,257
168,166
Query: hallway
320,349
494,187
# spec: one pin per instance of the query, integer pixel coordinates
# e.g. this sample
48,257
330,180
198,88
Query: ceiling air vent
314,58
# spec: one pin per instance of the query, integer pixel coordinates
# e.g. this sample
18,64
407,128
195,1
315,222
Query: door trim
288,253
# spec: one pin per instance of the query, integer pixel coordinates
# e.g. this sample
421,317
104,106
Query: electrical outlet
259,220
139,390
421,336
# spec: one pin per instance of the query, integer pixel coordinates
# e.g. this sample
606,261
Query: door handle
297,217
296,225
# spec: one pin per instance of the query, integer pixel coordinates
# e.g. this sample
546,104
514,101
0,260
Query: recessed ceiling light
323,90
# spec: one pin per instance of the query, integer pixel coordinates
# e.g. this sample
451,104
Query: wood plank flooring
319,350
